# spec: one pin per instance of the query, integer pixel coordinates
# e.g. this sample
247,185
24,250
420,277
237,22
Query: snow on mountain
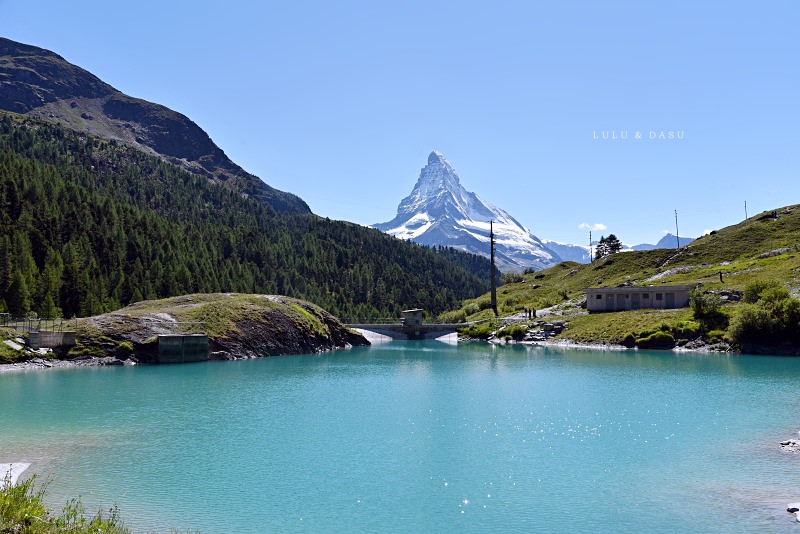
439,211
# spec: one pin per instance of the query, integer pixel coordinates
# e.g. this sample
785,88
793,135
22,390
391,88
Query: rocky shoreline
569,344
42,363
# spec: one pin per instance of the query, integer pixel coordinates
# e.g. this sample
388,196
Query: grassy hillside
237,325
763,247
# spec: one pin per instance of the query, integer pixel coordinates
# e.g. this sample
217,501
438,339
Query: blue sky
341,102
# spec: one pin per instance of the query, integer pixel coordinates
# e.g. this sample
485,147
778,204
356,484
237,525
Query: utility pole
678,239
494,284
745,210
591,256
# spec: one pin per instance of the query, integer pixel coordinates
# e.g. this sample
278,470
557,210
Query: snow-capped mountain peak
440,211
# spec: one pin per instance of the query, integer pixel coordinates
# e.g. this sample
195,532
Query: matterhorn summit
439,211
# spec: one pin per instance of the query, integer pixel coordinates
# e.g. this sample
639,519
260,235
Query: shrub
657,340
704,304
775,317
707,311
511,277
750,324
716,335
455,316
628,341
515,331
125,348
754,290
485,304
478,331
687,329
774,295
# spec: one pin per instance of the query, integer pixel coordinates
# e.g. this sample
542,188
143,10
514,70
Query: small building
412,317
606,299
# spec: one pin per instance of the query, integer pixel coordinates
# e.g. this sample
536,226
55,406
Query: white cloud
595,226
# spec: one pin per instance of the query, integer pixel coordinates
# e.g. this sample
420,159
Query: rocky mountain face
38,83
439,211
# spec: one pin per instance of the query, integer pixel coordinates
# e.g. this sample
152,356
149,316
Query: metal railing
371,320
390,320
35,324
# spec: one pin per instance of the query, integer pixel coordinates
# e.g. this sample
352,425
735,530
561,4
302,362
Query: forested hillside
41,84
89,225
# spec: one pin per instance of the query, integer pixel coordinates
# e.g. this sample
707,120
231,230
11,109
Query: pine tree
608,245
18,297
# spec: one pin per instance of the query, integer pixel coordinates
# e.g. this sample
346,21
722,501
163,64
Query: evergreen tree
18,298
114,225
608,245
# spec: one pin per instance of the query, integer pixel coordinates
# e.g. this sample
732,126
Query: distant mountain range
440,211
580,253
668,241
38,83
569,252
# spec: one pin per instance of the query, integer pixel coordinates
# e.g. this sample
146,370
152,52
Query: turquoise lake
420,437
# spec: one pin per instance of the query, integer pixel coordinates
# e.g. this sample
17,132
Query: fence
388,320
34,324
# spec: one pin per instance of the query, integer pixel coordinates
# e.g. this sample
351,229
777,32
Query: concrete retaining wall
50,340
176,348
57,339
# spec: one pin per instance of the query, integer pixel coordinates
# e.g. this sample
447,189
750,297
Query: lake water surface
420,437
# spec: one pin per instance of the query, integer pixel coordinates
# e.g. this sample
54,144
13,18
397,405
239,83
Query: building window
598,297
645,295
627,296
659,296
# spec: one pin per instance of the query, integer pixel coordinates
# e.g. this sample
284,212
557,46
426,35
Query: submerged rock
790,445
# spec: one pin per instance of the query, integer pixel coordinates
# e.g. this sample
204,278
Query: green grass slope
763,247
